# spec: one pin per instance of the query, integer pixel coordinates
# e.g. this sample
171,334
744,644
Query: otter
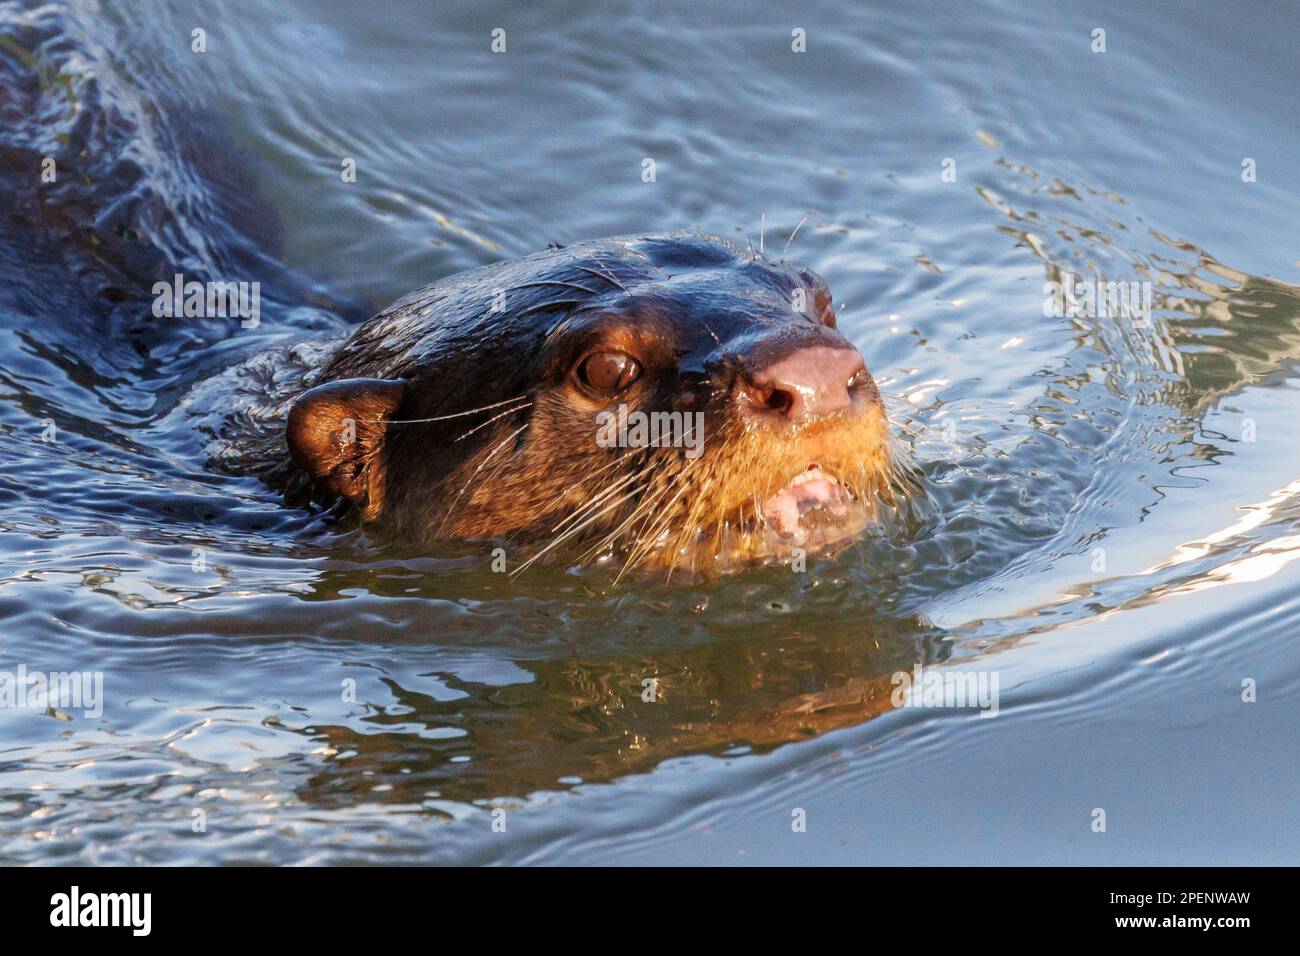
509,402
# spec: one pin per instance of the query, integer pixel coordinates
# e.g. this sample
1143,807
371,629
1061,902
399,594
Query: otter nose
807,383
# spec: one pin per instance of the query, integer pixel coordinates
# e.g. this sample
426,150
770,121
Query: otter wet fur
509,402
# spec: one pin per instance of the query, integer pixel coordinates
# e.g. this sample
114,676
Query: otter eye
609,371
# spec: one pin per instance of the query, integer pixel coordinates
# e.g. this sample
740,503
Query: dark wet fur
524,465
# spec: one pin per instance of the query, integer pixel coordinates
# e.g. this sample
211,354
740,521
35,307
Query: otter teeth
811,489
812,474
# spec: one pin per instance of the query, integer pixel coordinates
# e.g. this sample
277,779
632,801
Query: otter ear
336,429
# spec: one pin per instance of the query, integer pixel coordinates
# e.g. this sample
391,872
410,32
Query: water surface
1110,509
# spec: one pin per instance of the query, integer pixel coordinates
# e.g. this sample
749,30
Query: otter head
665,400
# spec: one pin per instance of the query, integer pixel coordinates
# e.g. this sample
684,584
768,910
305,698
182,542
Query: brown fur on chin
566,498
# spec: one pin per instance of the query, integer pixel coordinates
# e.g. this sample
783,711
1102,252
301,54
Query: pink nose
808,383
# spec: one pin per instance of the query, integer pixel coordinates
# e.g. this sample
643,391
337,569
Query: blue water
1109,511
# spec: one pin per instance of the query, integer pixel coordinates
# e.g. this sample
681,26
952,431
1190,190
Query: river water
1108,513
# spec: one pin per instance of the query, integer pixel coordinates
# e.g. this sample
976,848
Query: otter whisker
483,464
910,427
549,282
898,397
553,304
691,524
439,418
791,239
574,530
642,509
586,507
599,471
508,411
644,542
719,535
608,276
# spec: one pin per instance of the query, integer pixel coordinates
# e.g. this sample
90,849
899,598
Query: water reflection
583,720
1037,440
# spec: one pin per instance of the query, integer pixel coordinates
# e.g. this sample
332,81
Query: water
1110,513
